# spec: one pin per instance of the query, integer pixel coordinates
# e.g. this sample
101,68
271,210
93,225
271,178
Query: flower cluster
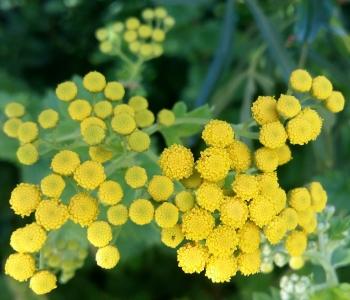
142,37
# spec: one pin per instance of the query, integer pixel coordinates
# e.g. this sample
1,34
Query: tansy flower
83,209
14,110
48,118
52,185
138,103
99,233
314,120
321,88
141,211
148,14
296,262
288,106
139,141
184,201
11,126
25,199
20,266
110,192
65,162
249,263
197,224
276,230
94,82
192,258
145,31
107,257
30,238
221,269
299,130
261,211
66,91
277,196
266,159
284,154
218,133
245,186
240,156
92,121
43,282
222,241
124,108
264,110
135,177
166,117
51,214
117,214
307,220
89,175
213,164
249,238
272,135
132,23
300,81
267,181
100,154
27,132
114,91
144,118
93,135
291,217
335,102
103,109
296,243
146,50
160,188
234,212
160,12
318,196
172,236
299,198
27,154
209,196
166,215
158,35
123,123
79,109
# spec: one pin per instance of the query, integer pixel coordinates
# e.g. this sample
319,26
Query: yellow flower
240,156
193,181
148,14
299,198
166,215
192,258
83,209
288,106
107,257
141,211
307,220
234,212
110,192
66,91
209,196
94,81
124,108
123,123
132,23
79,109
157,50
48,118
266,159
267,181
93,135
146,50
300,81
245,186
166,117
335,102
272,135
145,31
130,36
249,263
14,110
296,262
284,154
160,188
27,154
184,201
114,91
65,162
100,154
318,196
169,22
89,175
103,109
160,12
314,120
144,118
43,282
197,224
92,121
11,126
99,233
321,87
264,110
172,237
51,214
277,197
30,238
52,185
218,133
20,266
101,34
117,214
138,103
158,35
139,141
261,211
136,177
25,199
221,269
222,241
276,230
213,164
299,130
249,238
27,132
291,217
296,243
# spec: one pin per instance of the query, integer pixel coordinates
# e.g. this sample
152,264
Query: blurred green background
224,53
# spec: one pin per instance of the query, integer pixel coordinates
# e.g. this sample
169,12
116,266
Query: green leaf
340,292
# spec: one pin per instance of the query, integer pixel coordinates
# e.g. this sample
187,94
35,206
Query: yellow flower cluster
142,37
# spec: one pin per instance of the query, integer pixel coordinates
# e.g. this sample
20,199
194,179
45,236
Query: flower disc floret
264,110
321,87
52,185
11,126
103,109
93,135
79,109
65,162
83,209
192,258
299,130
27,154
117,214
272,135
25,199
160,188
51,214
249,263
218,133
290,216
14,110
20,266
114,91
184,201
66,91
28,239
138,103
318,196
276,230
299,198
100,154
172,237
314,120
266,159
222,241
261,211
139,141
110,192
209,196
48,118
94,82
27,132
245,186
288,106
43,282
240,156
89,175
296,243
107,257
166,117
284,154
141,211
99,233
136,177
166,215
197,224
221,269
335,102
234,212
300,81
124,108
144,118
123,123
249,238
